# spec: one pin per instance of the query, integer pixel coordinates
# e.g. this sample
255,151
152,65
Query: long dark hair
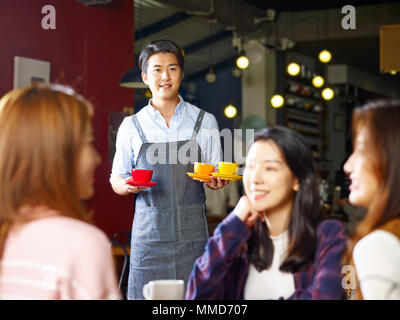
381,118
306,205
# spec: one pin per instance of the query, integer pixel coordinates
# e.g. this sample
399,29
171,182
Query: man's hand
217,183
121,187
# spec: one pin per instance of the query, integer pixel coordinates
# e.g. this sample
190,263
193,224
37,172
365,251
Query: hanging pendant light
293,69
210,76
328,94
133,79
277,101
230,111
318,81
242,62
325,56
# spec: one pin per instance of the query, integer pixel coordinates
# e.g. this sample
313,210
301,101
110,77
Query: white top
55,258
271,283
155,129
377,261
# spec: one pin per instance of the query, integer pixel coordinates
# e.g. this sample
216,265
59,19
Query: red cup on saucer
141,175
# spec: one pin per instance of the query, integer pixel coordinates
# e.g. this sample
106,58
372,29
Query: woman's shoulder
376,241
63,229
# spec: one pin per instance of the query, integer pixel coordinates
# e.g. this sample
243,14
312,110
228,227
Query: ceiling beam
216,67
160,25
207,41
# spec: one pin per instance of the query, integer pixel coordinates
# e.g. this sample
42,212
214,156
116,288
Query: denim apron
170,226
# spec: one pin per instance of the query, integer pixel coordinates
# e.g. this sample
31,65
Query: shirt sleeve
209,131
377,259
210,270
327,276
124,154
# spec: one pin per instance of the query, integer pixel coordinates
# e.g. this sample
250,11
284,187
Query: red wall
91,48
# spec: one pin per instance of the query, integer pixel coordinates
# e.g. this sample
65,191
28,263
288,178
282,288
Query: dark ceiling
303,5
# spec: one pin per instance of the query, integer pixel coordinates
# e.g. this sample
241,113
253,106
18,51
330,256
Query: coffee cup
142,175
203,168
164,290
228,167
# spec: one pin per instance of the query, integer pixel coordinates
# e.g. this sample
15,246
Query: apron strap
139,128
198,124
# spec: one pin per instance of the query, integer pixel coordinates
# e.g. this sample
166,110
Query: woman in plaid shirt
274,244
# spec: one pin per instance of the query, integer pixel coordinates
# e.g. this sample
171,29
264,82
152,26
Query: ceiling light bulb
328,94
325,56
236,72
318,81
242,62
210,76
293,69
230,111
277,101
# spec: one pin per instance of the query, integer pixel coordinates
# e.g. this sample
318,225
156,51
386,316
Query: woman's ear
296,185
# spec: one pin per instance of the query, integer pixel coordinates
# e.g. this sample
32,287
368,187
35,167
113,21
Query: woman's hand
133,189
245,212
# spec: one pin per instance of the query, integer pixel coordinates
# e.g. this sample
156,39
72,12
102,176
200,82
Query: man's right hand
121,187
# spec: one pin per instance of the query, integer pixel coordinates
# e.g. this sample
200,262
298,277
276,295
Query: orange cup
203,168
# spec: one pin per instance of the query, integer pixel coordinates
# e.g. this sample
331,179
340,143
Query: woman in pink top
48,247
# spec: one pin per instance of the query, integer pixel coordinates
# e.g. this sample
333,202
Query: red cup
141,175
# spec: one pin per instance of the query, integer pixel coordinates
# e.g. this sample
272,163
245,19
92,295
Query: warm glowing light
393,72
293,69
325,56
327,94
318,81
277,101
230,111
242,62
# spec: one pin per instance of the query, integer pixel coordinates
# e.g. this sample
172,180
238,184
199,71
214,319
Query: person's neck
277,220
165,106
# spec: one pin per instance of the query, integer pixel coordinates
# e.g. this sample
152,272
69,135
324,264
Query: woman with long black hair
274,244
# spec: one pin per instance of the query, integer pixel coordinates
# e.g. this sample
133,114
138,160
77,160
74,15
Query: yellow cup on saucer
203,168
228,167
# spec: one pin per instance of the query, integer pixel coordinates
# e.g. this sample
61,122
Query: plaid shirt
221,272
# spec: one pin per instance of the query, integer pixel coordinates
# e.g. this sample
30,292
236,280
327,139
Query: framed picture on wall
28,71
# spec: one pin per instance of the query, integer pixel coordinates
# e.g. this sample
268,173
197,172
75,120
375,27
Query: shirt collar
178,109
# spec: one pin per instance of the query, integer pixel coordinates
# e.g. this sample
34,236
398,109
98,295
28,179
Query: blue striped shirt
155,129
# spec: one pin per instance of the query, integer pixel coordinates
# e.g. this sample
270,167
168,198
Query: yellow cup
228,167
203,168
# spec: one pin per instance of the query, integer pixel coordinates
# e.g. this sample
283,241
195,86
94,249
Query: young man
169,228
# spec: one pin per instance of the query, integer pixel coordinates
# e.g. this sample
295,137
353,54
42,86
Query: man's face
163,76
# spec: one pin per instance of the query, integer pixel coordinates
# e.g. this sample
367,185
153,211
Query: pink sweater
57,258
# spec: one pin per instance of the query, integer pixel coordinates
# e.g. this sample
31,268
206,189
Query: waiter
170,226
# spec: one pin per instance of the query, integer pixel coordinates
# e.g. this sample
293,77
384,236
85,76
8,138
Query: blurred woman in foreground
48,247
374,171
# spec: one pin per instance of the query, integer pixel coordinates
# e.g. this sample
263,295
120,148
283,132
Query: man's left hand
217,183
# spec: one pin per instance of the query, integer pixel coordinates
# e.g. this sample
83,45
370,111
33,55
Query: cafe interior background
93,45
